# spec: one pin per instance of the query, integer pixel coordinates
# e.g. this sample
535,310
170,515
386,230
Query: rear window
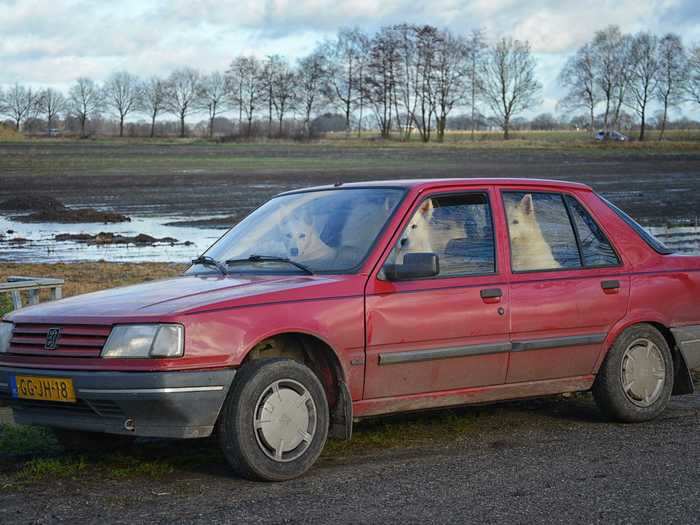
652,241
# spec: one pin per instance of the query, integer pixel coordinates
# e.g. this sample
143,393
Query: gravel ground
540,461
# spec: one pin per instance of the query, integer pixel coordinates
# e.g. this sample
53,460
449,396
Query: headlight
5,335
144,341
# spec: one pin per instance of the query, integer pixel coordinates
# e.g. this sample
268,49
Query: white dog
302,240
530,249
416,236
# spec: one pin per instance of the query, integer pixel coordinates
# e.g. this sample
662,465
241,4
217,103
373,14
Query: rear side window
541,234
595,247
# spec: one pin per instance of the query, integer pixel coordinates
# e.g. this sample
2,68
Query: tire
76,441
255,446
636,379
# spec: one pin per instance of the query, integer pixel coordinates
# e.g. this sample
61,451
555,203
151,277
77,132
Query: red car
332,304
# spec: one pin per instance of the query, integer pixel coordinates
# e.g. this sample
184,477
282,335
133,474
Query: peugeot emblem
52,338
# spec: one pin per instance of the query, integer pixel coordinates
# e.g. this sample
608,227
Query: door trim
557,342
415,356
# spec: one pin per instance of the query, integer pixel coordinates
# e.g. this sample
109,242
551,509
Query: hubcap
285,420
643,372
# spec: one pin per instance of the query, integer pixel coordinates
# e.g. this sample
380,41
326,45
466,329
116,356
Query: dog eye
414,226
302,236
515,222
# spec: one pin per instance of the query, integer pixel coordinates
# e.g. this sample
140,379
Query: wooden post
32,297
16,300
56,293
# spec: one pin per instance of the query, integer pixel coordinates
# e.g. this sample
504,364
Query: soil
42,208
197,181
114,238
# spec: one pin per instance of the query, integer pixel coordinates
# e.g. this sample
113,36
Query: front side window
595,247
324,231
541,234
457,228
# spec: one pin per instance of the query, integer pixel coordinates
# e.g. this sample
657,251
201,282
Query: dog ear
427,208
527,204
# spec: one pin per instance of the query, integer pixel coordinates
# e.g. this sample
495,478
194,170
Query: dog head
416,236
298,234
522,223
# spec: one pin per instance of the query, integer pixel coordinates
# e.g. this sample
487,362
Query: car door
568,286
448,331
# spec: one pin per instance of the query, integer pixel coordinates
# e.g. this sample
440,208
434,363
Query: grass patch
121,466
38,469
19,440
407,430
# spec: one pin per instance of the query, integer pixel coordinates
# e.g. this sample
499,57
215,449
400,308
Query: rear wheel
636,378
274,423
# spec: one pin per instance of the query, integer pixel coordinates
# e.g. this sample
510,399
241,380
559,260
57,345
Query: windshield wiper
205,260
271,258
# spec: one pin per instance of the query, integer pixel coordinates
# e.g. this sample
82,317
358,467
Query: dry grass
91,276
9,135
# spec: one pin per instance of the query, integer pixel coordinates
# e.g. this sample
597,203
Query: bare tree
449,79
284,92
181,94
381,79
311,72
152,101
51,103
213,96
268,78
427,43
347,55
578,78
122,93
246,87
20,103
692,86
509,83
476,45
644,76
85,100
672,75
610,70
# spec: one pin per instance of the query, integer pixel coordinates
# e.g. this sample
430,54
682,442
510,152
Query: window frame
419,202
578,240
561,194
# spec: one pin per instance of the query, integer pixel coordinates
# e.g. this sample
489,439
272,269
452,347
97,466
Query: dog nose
294,252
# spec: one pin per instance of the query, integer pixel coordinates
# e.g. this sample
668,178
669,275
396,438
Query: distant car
337,303
611,135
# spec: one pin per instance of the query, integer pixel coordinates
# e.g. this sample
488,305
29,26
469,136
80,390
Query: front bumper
148,404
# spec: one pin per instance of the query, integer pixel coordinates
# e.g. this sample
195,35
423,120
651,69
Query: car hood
186,295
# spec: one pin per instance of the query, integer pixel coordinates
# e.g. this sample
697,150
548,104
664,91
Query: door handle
610,285
491,295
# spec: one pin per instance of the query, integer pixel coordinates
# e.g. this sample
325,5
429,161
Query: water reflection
40,246
681,239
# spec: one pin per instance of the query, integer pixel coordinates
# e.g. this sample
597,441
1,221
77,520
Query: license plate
43,388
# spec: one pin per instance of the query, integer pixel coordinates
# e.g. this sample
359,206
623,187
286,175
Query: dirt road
541,461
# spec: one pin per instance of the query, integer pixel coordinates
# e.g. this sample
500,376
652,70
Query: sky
52,42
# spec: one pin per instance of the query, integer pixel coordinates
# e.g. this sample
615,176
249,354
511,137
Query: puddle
42,248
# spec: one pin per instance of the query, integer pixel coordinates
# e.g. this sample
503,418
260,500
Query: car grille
73,340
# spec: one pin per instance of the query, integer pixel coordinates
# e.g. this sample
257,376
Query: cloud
55,41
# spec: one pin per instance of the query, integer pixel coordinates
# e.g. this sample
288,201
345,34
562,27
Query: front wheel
636,379
274,423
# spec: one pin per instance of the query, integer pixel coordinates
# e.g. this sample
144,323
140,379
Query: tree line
404,79
615,71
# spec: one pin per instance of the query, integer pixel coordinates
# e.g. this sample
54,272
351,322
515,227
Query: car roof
429,184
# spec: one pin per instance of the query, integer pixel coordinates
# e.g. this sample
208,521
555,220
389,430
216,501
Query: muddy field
658,185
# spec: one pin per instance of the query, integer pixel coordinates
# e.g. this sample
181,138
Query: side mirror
415,266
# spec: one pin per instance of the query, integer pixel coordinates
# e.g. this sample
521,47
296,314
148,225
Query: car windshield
327,231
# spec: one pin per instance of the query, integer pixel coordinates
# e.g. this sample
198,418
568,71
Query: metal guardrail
32,286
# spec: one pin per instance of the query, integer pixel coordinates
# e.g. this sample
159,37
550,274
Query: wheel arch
319,355
683,381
